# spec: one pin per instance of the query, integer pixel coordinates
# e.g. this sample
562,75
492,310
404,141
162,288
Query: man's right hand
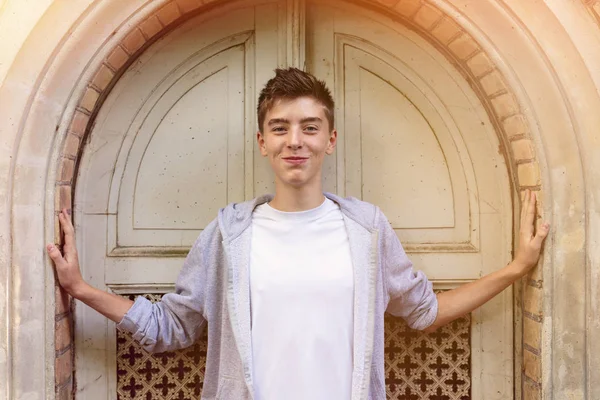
69,276
67,265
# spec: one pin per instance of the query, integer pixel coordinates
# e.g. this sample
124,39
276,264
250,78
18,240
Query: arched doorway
173,142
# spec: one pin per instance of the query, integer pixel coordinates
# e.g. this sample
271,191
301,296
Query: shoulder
235,217
363,212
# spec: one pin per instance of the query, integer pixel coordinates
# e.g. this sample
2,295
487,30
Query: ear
260,139
332,143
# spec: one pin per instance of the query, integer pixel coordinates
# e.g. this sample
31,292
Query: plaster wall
54,52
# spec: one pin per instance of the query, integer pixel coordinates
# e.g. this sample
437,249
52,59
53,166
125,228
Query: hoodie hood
236,217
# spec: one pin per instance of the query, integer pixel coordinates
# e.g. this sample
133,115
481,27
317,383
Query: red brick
89,99
532,366
133,41
67,169
463,47
188,5
480,64
522,149
151,26
65,391
505,106
427,16
62,300
63,334
407,7
63,367
62,197
71,145
515,125
529,174
531,391
103,77
169,13
57,232
492,83
533,300
446,30
118,57
532,333
79,123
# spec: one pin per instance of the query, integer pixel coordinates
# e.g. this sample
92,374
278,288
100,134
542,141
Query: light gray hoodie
213,289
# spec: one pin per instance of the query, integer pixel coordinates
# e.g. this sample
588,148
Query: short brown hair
290,84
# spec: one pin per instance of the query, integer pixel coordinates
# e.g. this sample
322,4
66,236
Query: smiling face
296,137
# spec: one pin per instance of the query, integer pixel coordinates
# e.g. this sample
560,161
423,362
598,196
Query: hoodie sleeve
409,293
177,320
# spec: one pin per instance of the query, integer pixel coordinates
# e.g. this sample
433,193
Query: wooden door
415,140
174,142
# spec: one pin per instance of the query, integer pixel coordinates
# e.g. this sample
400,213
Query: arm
455,303
173,323
69,276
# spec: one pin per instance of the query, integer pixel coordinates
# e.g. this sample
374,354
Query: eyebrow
286,121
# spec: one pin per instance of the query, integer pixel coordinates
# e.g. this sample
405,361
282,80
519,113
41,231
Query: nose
294,138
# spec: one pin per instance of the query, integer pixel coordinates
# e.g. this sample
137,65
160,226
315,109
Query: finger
67,214
69,246
55,255
524,206
528,217
531,211
541,234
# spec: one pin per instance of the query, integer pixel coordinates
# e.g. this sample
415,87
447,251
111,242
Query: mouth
295,160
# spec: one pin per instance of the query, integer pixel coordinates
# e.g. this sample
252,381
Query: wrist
79,290
517,269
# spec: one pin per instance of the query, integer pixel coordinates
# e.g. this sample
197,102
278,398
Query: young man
293,287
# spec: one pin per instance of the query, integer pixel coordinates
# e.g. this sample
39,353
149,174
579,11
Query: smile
295,160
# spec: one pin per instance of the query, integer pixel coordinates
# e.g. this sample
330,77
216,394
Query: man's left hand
530,241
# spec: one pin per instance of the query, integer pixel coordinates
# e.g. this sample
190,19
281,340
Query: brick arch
431,22
424,17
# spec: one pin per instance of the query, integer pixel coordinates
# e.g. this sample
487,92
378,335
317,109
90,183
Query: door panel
415,140
172,144
189,144
400,151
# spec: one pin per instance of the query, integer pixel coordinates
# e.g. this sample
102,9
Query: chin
295,182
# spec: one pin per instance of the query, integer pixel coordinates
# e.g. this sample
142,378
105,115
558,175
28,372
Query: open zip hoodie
213,288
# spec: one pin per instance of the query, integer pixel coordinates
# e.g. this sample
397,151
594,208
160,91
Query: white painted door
415,140
174,142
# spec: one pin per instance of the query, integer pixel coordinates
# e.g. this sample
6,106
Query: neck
291,199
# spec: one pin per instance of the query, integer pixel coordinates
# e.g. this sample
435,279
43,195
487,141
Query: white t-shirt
302,291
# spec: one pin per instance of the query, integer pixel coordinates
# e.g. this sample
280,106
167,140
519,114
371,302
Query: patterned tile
170,375
418,366
435,366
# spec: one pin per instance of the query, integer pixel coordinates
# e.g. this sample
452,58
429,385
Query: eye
312,129
278,129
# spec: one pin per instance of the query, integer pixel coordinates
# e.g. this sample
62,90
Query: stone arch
426,18
435,19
